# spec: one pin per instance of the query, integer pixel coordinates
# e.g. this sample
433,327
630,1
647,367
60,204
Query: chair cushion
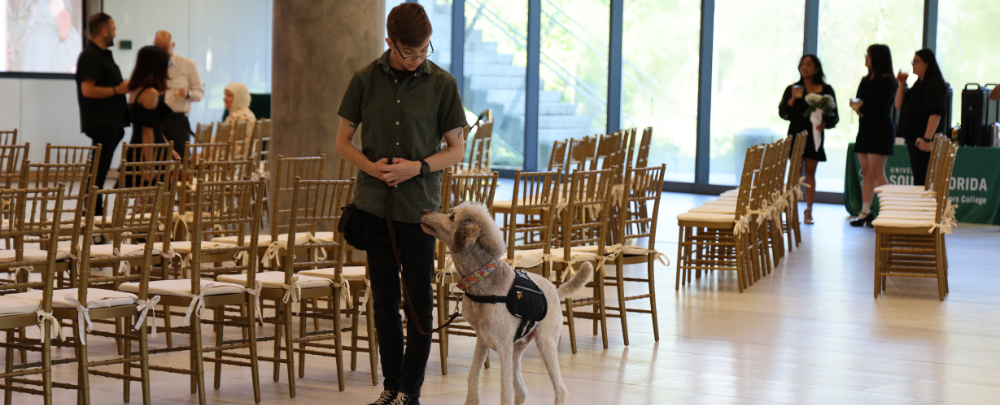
275,279
892,207
262,240
918,215
184,247
31,255
903,223
895,188
715,209
109,250
915,202
706,217
10,305
904,197
96,297
182,288
536,257
349,273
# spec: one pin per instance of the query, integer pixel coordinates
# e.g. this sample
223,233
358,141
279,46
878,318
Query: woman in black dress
148,81
793,108
920,110
876,131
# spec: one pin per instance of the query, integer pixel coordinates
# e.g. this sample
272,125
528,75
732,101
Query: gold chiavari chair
456,189
911,243
793,187
632,229
206,170
196,154
94,300
580,155
16,313
479,155
78,177
8,138
221,208
583,232
528,240
71,154
316,277
720,241
609,152
245,141
557,159
11,159
203,133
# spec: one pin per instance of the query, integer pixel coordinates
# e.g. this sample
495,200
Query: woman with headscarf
237,99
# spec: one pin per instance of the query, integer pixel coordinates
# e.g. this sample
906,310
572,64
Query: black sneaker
405,399
385,399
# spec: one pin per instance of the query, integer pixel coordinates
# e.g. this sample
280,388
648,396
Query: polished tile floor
810,333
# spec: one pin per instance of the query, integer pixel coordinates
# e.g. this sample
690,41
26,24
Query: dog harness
524,300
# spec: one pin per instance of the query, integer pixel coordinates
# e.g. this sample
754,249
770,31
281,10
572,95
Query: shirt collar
94,47
479,275
425,66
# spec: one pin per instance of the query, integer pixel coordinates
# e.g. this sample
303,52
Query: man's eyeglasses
419,55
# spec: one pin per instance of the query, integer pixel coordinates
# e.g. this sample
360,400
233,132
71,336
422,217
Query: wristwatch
425,168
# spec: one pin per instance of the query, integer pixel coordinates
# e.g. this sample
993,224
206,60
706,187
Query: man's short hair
98,22
408,24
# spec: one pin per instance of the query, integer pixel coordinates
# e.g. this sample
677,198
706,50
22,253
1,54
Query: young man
100,91
407,104
183,88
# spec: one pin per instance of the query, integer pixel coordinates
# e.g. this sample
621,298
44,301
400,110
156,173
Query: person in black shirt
920,110
100,91
793,108
876,131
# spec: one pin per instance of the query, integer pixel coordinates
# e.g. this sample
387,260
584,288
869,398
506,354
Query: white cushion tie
27,269
123,267
146,305
170,254
255,292
312,238
83,322
197,306
345,290
273,250
56,326
292,291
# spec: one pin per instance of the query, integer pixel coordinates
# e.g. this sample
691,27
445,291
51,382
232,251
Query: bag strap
487,299
399,264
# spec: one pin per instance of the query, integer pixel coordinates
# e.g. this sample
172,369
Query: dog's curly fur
474,239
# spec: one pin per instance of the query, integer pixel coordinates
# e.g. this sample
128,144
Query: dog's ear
466,235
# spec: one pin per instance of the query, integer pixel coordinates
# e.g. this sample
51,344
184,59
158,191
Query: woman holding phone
876,131
920,110
793,109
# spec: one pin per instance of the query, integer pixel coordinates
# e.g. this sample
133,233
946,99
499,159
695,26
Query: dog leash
399,266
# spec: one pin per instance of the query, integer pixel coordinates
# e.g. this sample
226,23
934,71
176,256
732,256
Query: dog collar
479,275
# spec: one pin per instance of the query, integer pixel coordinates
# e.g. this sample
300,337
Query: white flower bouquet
819,105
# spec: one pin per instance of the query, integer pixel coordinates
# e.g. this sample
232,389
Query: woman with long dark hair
793,108
876,131
920,110
148,81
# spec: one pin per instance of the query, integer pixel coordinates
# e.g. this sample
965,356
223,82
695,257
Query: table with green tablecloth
975,182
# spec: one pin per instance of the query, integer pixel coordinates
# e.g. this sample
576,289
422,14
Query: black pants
108,138
177,128
403,370
919,160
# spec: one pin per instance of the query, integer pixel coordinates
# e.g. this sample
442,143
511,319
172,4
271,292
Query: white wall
229,40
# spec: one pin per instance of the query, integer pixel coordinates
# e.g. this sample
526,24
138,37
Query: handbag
355,232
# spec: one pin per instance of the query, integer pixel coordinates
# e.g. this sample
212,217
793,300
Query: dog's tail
575,284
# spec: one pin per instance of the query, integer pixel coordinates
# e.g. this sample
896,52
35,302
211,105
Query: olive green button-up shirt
402,120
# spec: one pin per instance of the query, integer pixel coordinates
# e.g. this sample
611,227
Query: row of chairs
743,230
913,221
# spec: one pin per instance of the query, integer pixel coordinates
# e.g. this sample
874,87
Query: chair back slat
642,156
8,137
203,132
226,208
12,158
322,202
305,168
223,133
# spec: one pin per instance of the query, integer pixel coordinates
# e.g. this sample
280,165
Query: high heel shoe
860,222
808,217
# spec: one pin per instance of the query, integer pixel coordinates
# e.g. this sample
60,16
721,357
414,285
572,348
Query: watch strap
425,168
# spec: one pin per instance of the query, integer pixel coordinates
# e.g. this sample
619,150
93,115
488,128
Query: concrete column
317,46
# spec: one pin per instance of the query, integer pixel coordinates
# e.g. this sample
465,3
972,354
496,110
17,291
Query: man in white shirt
183,88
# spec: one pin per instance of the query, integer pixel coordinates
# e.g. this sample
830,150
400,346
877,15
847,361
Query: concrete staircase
493,81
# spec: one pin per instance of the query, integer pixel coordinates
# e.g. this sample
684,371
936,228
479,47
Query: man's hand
926,146
122,88
401,170
372,169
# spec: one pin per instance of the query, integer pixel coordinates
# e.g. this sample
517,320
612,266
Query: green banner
975,182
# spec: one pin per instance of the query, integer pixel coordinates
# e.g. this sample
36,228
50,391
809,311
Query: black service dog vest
524,300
